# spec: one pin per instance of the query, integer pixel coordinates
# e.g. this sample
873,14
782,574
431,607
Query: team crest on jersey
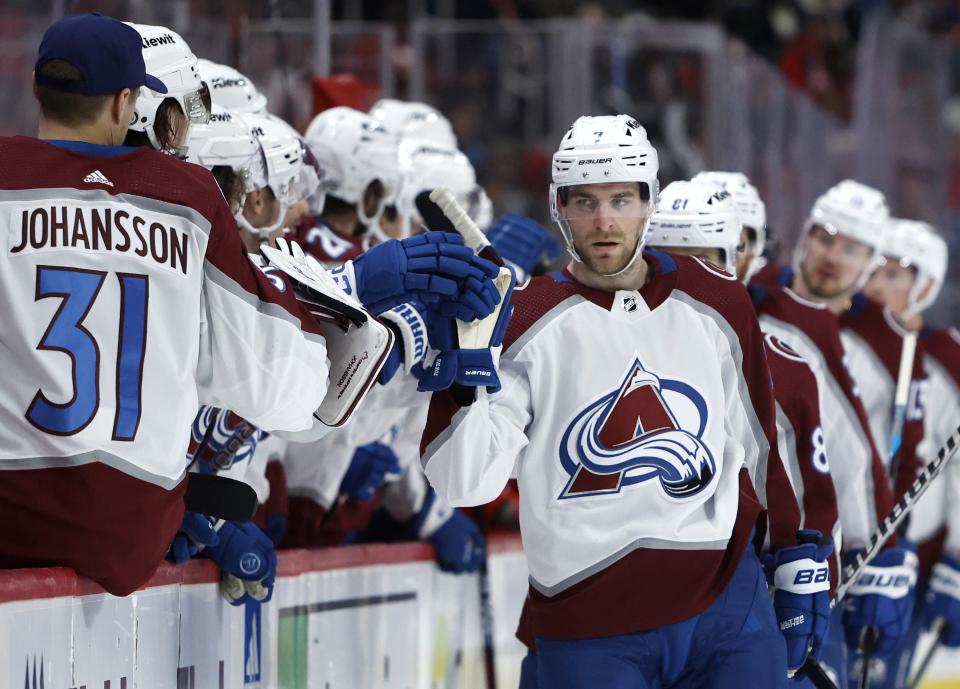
649,428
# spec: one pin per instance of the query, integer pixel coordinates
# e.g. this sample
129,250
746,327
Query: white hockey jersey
873,340
939,508
640,427
127,300
859,479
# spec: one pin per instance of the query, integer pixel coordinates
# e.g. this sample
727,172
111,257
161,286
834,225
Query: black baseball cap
107,52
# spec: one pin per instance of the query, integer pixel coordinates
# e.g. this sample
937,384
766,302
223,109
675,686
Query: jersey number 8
78,289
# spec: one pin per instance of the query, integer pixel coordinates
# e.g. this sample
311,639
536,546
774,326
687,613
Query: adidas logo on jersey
97,177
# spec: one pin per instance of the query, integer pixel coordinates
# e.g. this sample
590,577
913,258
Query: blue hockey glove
882,598
409,323
247,554
523,242
459,544
943,599
467,353
369,466
196,532
800,576
434,268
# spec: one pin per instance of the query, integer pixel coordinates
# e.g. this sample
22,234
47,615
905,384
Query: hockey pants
732,644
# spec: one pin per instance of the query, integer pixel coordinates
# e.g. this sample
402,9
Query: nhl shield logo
648,428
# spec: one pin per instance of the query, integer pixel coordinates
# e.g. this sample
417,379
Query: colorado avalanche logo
633,434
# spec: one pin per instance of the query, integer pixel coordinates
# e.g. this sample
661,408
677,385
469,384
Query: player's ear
253,206
122,104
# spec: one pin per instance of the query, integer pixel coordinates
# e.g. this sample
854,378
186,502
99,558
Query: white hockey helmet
697,214
232,90
410,119
750,208
226,140
852,210
283,156
599,150
354,150
917,245
168,57
424,166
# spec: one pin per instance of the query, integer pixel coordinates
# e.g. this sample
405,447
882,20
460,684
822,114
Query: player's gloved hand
196,533
523,242
434,268
943,599
882,598
409,323
275,527
246,553
459,543
800,576
468,353
370,464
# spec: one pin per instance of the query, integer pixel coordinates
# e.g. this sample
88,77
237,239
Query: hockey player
421,126
633,403
753,217
101,234
799,305
423,166
359,160
907,282
335,496
163,120
702,219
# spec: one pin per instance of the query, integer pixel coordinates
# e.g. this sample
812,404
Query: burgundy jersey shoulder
768,276
34,164
880,330
794,382
538,296
714,288
816,321
944,346
318,239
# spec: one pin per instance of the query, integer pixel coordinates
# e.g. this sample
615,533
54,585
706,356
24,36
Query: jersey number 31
78,289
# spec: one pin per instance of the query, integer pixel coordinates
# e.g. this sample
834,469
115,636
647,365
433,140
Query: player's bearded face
891,285
606,221
833,263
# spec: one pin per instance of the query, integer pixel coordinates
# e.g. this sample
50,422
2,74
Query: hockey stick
904,375
887,528
220,497
867,643
486,609
474,238
939,628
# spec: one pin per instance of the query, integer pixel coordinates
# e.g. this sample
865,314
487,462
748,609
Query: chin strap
264,231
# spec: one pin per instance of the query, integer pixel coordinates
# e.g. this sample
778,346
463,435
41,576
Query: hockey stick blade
220,497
